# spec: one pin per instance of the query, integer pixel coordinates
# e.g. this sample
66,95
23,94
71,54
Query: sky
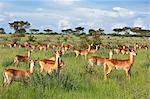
65,14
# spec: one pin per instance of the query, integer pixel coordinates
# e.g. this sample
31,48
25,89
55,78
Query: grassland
74,81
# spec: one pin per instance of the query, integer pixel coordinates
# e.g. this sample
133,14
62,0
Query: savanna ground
74,81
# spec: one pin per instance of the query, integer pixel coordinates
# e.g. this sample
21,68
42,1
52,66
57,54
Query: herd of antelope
55,64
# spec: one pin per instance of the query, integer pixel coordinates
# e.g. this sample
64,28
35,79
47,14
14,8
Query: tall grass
74,82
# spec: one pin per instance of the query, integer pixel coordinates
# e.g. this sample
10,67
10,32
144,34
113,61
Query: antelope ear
130,50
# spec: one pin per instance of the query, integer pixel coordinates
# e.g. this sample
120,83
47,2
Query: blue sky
64,14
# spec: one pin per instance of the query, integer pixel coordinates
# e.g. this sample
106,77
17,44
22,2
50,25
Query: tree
64,31
2,31
126,30
118,30
69,30
48,31
100,31
79,29
92,32
20,26
139,30
34,31
95,37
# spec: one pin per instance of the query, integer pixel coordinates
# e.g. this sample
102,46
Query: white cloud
2,19
87,24
101,14
123,11
93,12
47,27
118,25
34,15
139,23
64,23
65,2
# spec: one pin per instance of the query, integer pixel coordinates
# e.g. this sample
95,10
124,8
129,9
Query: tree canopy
20,26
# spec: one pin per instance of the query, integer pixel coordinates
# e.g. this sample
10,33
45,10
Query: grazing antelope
95,60
119,64
82,52
94,50
21,58
50,65
17,74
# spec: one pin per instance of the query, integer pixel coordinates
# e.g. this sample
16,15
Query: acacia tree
34,31
100,31
2,31
48,31
95,36
92,32
79,29
140,31
20,26
118,30
64,31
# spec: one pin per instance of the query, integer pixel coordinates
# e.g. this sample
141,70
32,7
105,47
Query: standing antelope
17,74
54,59
119,64
95,60
82,52
50,65
21,58
67,47
43,46
94,50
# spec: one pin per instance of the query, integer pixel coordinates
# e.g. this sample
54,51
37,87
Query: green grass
74,81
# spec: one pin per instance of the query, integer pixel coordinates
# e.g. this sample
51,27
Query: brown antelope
119,64
17,74
95,60
116,50
67,47
43,46
94,50
54,59
50,65
12,44
124,51
22,58
82,52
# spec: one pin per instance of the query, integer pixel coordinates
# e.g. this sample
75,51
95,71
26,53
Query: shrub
31,38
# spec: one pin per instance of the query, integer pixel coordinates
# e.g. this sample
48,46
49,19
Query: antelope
50,65
21,58
95,60
124,51
119,64
43,46
67,47
12,44
116,50
17,74
82,52
94,50
54,59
